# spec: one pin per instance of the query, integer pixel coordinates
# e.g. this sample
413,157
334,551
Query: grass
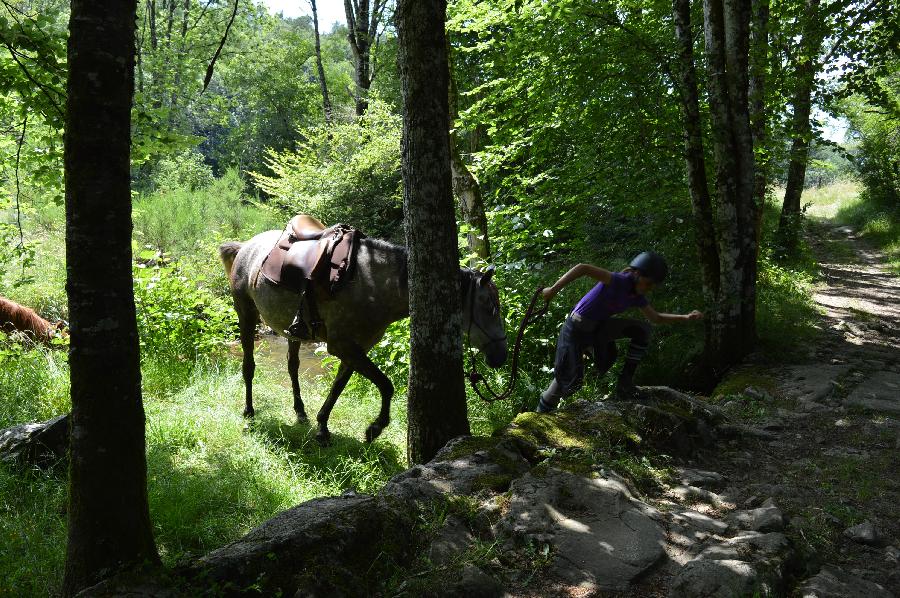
212,476
847,203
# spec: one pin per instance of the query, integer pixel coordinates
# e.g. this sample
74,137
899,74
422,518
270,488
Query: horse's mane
18,317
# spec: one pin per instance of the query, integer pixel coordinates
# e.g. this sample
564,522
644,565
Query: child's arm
658,318
575,273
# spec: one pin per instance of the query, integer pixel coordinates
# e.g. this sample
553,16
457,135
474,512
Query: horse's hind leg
293,363
247,318
323,436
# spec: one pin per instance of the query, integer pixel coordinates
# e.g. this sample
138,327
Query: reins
476,378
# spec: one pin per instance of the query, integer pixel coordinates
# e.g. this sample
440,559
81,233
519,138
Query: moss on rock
736,381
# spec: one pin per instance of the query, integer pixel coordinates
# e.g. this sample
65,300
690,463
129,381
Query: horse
355,317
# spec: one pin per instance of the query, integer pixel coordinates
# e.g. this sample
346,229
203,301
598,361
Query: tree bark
726,227
726,33
437,399
801,128
466,187
695,162
323,84
759,63
109,519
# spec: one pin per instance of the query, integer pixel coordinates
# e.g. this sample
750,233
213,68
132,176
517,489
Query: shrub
348,172
176,318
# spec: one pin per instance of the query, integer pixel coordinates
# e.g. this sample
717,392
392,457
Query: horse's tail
227,252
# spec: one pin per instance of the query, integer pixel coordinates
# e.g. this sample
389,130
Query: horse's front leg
293,363
323,436
365,366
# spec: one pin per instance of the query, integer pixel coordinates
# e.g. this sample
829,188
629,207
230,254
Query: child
591,325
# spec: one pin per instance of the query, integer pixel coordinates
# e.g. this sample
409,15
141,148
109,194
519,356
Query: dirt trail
828,423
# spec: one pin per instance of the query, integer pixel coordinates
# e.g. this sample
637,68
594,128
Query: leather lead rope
476,378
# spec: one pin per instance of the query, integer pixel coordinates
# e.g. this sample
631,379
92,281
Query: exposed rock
700,478
692,494
748,564
763,519
602,537
673,421
812,382
38,444
334,546
474,583
699,521
715,579
453,539
880,392
464,466
832,582
864,533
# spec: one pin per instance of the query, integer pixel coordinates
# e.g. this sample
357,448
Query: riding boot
298,330
625,388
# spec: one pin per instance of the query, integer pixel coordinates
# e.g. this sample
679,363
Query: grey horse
355,318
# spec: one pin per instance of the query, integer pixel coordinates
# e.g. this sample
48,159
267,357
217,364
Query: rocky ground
784,483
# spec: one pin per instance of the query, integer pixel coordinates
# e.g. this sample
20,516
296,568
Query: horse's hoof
324,438
373,432
249,412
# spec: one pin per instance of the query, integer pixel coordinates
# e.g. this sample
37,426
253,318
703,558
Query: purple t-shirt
606,300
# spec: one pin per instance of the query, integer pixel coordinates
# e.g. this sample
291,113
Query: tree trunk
726,32
363,20
726,229
471,204
437,398
695,162
759,63
323,85
801,129
109,519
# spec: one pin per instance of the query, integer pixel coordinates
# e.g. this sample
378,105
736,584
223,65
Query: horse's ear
486,277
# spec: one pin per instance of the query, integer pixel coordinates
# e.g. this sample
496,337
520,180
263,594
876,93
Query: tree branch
212,64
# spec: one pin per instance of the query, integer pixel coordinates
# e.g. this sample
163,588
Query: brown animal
15,317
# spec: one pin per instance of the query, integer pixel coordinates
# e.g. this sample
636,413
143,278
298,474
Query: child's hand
695,315
548,293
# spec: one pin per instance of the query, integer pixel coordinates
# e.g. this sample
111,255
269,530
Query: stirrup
298,329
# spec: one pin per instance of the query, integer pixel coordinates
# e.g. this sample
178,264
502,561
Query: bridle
476,377
473,288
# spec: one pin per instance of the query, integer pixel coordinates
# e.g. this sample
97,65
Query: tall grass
850,204
212,475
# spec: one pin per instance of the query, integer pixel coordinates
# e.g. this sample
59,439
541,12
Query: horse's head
482,320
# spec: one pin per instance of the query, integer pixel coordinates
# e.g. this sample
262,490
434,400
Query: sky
329,10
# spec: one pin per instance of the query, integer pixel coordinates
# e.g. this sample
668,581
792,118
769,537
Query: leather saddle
312,261
309,253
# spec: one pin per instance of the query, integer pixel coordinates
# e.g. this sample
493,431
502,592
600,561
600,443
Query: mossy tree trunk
726,216
109,518
437,398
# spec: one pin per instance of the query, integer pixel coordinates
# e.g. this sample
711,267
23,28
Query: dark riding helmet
652,265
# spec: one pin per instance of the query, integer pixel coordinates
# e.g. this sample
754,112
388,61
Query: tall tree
726,218
437,398
364,17
807,65
323,84
465,185
109,517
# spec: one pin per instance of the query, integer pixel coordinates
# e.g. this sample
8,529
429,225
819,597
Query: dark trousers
579,335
